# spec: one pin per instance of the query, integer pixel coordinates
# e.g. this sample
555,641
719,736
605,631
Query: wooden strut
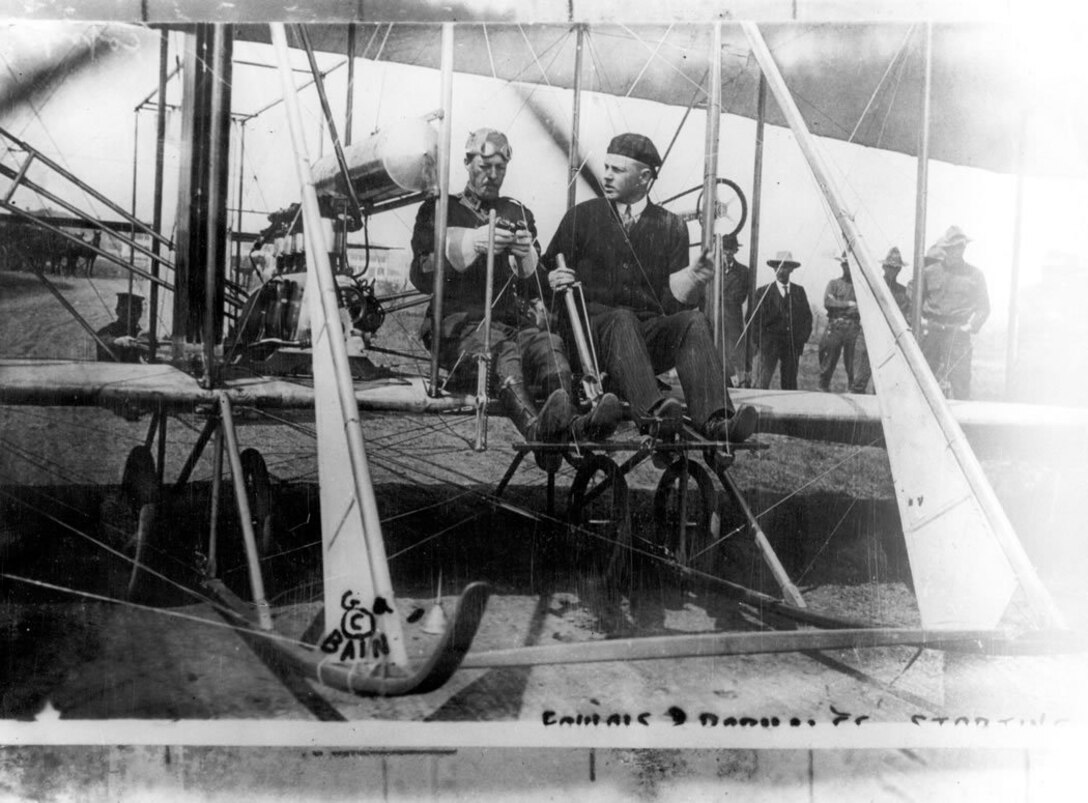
703,645
256,581
790,591
483,360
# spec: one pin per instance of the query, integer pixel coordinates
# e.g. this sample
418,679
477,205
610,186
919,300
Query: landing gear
686,518
259,493
599,518
141,492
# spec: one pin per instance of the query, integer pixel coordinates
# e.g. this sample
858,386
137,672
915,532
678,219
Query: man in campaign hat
523,353
631,257
120,337
892,264
955,304
781,323
843,327
735,285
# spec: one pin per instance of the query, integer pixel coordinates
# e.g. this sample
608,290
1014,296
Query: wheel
599,519
259,494
141,491
686,516
732,210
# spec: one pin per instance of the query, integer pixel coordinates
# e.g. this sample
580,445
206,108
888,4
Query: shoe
736,428
600,422
668,418
554,417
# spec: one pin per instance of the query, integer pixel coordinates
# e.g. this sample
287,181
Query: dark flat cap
637,147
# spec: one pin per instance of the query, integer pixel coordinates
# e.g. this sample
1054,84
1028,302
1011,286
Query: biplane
965,557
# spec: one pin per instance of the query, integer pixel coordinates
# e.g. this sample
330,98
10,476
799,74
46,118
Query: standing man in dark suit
735,284
782,322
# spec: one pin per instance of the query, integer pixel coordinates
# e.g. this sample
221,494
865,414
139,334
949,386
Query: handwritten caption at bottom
679,717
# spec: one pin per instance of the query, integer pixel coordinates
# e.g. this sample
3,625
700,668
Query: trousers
948,352
522,353
863,371
774,350
633,349
839,338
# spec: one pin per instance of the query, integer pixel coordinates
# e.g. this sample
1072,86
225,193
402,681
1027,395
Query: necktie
628,219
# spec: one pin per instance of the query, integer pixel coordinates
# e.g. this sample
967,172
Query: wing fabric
964,556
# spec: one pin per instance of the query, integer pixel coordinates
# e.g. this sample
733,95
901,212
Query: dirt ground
73,645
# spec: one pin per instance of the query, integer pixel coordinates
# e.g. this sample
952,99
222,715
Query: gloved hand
463,245
560,278
702,269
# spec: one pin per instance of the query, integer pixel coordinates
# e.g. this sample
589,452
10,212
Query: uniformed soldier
955,305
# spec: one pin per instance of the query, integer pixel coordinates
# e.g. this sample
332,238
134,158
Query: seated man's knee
618,321
694,324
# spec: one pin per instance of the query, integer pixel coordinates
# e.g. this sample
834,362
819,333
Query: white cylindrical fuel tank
399,160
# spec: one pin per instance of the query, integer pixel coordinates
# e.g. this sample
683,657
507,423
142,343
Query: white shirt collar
637,208
782,288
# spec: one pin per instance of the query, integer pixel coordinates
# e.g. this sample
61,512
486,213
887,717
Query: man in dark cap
631,257
120,336
735,285
522,351
843,327
781,323
955,304
892,264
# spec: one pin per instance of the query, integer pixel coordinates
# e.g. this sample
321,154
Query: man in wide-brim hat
781,323
892,264
631,257
843,327
955,304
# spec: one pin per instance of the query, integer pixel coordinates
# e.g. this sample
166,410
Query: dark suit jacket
790,323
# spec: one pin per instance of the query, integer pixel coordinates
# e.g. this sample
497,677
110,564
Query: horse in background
77,251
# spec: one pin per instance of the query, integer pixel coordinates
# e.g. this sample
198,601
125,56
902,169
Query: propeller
560,136
30,77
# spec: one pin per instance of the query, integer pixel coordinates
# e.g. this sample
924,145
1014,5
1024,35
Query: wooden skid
440,665
717,644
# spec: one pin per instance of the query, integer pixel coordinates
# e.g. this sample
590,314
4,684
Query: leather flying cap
488,142
637,147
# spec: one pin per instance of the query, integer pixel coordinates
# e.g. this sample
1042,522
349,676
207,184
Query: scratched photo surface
112,523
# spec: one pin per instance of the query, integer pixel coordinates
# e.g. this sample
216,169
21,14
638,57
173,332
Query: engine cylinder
397,161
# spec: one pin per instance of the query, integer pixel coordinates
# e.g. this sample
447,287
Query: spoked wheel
259,494
686,515
599,518
140,488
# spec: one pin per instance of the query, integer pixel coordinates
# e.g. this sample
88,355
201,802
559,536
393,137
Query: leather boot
600,422
548,427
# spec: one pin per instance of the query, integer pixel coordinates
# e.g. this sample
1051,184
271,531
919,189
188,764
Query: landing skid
429,675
